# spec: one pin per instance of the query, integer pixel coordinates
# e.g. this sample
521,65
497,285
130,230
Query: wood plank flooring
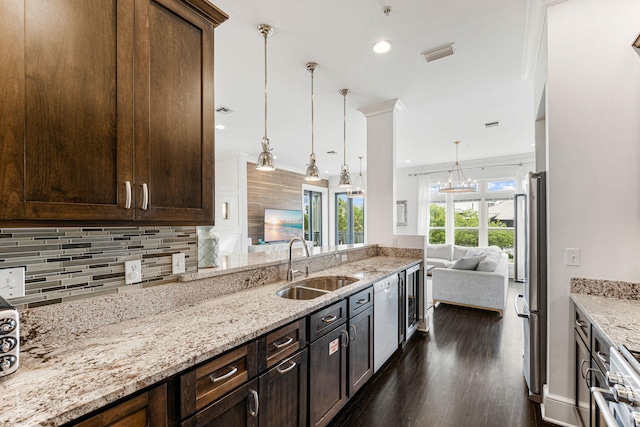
466,371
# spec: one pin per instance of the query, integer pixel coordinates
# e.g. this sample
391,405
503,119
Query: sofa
471,277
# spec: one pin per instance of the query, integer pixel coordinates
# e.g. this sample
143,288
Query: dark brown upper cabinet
107,112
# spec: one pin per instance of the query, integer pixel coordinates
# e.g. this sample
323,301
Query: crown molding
394,105
533,30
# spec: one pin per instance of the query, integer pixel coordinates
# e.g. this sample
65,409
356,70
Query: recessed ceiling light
275,157
382,46
220,127
326,171
407,161
533,145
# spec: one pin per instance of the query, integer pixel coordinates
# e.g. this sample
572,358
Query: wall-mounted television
282,224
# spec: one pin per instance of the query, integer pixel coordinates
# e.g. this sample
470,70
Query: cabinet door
327,376
283,393
581,390
238,408
174,113
66,116
360,350
146,409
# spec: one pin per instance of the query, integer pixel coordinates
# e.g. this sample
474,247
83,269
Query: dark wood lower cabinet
328,376
283,393
146,409
360,350
238,408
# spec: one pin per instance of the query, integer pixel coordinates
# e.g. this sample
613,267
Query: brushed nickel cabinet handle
283,344
145,196
292,365
355,331
256,401
127,188
345,333
329,319
362,301
602,357
225,376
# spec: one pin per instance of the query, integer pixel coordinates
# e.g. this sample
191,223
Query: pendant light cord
344,127
265,84
312,123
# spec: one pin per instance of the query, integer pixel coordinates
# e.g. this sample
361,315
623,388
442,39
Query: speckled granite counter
63,378
613,307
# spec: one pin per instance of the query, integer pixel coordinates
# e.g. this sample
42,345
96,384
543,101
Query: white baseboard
558,409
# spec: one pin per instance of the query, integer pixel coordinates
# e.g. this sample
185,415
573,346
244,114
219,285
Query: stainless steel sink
315,287
298,292
327,283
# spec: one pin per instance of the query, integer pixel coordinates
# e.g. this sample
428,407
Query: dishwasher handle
599,396
515,304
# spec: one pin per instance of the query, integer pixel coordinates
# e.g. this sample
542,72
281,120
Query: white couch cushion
467,263
439,251
459,252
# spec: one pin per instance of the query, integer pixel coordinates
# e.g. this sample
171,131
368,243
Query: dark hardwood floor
466,371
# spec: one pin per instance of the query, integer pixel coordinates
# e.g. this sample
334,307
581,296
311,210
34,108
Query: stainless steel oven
618,401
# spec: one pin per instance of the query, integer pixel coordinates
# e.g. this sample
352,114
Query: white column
380,206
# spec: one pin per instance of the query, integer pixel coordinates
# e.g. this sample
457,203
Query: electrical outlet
133,271
573,256
177,263
344,258
12,282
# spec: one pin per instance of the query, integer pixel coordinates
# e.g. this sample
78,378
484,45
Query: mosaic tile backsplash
65,264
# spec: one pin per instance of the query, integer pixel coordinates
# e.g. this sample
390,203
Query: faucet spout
290,271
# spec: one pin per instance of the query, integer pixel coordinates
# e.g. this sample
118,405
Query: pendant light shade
357,190
456,181
345,177
313,174
265,159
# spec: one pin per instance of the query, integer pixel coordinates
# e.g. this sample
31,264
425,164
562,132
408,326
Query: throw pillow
488,264
475,252
459,252
467,263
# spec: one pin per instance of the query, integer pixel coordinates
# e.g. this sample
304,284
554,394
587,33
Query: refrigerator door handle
515,304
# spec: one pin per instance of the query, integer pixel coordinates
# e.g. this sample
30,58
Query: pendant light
265,159
313,174
357,190
345,177
461,184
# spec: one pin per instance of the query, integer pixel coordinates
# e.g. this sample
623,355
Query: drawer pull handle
254,413
288,368
329,319
283,344
603,357
225,376
581,324
362,301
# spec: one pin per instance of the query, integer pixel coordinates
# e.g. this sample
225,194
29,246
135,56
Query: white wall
231,188
593,155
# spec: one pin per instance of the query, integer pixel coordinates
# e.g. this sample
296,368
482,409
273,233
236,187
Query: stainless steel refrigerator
531,304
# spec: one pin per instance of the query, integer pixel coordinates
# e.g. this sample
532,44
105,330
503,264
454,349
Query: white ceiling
446,100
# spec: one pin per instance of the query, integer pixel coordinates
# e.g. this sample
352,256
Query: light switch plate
177,263
133,271
573,256
12,282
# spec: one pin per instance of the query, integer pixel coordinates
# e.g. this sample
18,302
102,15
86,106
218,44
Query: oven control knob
624,394
7,344
614,378
6,362
7,326
635,416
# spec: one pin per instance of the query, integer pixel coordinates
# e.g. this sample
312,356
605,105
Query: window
437,222
500,216
349,219
466,222
506,185
313,217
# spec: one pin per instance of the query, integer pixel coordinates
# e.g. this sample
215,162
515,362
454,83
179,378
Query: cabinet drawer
282,343
327,319
208,382
360,301
600,350
582,325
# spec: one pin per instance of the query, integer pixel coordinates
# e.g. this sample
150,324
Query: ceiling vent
222,109
492,125
439,52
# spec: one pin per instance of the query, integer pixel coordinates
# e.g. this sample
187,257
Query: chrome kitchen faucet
290,271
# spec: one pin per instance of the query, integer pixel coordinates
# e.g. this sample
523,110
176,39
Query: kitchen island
68,372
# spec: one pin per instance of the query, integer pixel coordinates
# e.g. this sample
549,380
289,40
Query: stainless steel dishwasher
385,320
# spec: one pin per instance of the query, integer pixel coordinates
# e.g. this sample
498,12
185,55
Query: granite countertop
61,379
616,318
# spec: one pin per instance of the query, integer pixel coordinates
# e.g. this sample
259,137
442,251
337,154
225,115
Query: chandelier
461,184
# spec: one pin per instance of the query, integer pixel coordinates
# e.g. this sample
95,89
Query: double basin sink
315,287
